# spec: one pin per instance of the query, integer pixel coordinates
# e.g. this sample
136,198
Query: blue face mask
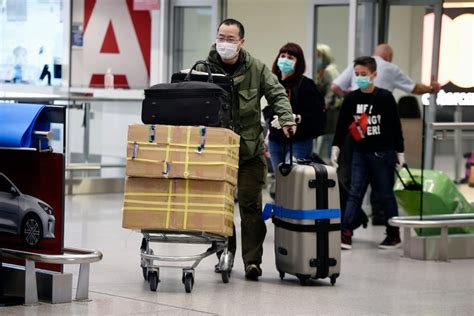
363,82
285,65
319,64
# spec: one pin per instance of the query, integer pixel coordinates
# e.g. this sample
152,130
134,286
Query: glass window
31,34
5,185
332,23
192,31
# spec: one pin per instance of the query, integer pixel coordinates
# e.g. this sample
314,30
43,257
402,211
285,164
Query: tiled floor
372,281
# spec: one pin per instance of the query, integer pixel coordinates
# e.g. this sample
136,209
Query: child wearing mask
377,148
307,104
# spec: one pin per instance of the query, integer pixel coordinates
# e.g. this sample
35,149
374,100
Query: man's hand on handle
276,124
289,130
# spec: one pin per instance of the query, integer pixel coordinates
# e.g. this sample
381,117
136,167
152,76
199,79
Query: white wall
332,30
269,24
405,37
195,40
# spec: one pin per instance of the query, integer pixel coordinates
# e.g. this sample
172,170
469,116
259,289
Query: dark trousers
377,169
344,178
251,180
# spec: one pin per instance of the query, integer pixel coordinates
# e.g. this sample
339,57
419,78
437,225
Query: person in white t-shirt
389,76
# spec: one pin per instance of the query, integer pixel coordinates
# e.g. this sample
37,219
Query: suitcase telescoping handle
285,168
410,186
208,68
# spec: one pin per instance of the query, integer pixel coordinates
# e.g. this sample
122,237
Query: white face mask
226,50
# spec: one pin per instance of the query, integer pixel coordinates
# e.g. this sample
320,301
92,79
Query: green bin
440,196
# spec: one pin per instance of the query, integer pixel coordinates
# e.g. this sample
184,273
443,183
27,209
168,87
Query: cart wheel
226,262
225,276
333,280
153,279
188,282
144,263
282,274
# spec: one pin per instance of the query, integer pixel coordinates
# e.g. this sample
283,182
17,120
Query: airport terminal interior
72,81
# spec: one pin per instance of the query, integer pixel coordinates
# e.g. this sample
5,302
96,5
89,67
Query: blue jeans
301,150
377,169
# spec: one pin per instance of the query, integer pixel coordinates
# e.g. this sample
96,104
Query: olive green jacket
252,80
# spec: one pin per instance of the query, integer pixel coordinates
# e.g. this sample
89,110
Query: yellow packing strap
149,148
186,205
216,205
203,163
225,146
169,147
226,212
186,159
207,196
168,209
187,145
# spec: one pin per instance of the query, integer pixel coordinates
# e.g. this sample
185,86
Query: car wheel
31,230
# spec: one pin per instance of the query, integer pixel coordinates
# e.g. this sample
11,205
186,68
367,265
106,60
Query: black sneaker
346,239
253,271
392,241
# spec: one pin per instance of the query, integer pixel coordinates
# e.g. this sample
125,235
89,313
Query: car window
5,185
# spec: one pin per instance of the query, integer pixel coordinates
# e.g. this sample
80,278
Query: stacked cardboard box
180,178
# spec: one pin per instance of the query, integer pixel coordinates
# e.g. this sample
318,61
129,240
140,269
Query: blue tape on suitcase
274,210
18,121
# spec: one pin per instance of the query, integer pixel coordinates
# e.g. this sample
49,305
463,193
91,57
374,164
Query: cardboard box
162,151
178,204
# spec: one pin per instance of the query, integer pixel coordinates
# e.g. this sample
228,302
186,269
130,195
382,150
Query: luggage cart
151,271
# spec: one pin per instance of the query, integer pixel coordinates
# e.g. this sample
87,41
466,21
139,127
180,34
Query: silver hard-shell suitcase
307,221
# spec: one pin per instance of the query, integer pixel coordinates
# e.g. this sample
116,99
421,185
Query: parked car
24,215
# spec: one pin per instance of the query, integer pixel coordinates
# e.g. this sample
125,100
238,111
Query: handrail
433,221
452,125
74,256
91,166
71,256
70,98
446,220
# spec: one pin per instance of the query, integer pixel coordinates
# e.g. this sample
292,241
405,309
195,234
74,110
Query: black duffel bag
188,103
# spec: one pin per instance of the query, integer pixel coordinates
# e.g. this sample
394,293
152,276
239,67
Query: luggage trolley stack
182,172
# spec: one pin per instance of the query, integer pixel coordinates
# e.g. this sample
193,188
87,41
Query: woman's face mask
319,64
285,65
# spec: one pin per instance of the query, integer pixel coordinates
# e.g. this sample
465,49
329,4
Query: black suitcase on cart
189,102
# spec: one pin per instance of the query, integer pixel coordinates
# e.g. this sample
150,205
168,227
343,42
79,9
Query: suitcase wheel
303,278
282,274
333,278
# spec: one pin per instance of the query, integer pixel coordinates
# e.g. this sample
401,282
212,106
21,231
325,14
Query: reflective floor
372,281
